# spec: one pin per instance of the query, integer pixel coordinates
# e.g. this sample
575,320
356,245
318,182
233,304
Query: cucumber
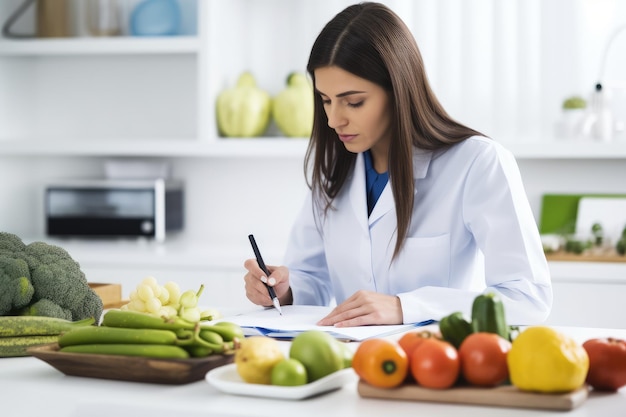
14,346
117,335
37,325
488,315
148,351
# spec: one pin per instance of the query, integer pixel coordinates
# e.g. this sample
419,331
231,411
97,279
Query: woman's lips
346,138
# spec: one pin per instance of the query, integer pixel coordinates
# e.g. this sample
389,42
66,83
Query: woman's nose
335,117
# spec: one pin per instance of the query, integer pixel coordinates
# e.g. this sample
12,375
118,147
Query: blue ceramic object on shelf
155,18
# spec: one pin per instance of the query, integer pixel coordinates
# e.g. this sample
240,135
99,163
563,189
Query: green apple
319,352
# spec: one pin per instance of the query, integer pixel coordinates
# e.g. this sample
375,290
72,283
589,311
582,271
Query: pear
255,358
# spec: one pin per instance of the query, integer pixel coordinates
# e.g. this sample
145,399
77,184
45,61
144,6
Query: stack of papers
299,318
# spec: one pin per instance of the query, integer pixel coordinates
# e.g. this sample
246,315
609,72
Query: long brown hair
370,41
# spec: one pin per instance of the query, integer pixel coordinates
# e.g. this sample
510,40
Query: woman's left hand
364,308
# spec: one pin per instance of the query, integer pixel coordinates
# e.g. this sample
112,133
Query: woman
411,214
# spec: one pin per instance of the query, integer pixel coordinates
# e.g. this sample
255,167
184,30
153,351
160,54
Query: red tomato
435,364
483,359
607,363
410,340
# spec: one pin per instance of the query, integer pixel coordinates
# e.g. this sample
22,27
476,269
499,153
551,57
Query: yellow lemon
255,358
544,360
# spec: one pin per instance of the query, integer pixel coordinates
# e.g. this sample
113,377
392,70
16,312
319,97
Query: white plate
226,379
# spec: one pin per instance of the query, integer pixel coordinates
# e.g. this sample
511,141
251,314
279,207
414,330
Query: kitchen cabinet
588,294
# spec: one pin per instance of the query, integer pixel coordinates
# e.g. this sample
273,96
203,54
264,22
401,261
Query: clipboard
300,318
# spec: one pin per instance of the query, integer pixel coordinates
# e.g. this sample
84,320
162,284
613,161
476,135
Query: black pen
259,260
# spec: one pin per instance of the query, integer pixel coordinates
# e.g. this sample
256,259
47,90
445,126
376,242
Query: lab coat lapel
358,198
385,203
421,162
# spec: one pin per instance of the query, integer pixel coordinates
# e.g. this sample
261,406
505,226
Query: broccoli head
91,306
45,307
55,277
11,245
16,290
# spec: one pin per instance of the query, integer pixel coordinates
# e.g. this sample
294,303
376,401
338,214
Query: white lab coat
472,231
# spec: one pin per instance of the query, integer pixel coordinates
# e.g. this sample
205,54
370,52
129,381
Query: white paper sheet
298,318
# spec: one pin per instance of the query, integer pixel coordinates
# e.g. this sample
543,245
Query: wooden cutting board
501,396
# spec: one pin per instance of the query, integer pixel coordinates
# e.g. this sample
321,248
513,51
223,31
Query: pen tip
277,306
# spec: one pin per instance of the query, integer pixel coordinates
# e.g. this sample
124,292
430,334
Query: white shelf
269,146
564,149
100,46
240,147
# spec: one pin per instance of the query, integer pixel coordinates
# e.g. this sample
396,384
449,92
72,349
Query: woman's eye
357,104
325,102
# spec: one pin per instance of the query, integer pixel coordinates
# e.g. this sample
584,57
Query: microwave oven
114,208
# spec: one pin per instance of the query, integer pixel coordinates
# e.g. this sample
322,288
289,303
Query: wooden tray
129,368
501,396
111,294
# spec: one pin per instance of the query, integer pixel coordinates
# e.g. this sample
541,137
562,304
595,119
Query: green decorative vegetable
620,246
41,279
293,107
455,328
488,315
244,110
574,102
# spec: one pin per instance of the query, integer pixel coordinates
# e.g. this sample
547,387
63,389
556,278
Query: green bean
149,351
117,335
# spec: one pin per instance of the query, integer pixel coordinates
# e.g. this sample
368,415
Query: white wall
500,66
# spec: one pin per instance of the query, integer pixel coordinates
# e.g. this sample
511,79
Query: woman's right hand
255,280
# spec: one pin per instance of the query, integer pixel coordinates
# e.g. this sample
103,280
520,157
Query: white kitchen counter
31,388
180,253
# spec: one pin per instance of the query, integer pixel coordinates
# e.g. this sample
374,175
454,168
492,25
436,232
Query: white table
30,387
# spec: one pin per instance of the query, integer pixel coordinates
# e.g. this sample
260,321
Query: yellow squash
542,359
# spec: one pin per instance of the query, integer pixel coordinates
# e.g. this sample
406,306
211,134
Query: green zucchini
488,315
118,335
